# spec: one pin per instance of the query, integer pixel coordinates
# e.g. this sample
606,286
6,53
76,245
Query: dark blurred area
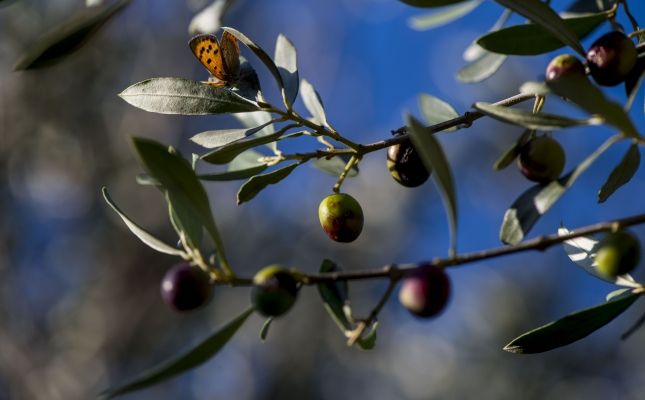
79,295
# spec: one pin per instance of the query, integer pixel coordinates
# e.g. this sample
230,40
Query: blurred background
79,295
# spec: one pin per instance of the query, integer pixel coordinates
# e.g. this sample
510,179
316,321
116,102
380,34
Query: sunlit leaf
482,68
192,358
184,96
260,53
286,62
537,200
535,88
582,251
252,119
435,160
209,20
543,15
225,154
259,182
213,139
571,328
69,36
442,16
622,174
145,236
435,110
532,39
313,103
528,119
587,96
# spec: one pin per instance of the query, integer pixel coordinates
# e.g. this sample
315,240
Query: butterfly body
220,58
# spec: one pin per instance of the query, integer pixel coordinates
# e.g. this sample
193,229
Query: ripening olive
185,287
341,217
618,253
541,159
563,66
425,292
274,291
405,165
611,58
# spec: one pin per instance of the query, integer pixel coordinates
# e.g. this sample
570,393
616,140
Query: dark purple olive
186,287
405,165
274,291
541,159
611,58
426,291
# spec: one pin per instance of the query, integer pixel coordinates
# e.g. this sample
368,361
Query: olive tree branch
395,272
401,133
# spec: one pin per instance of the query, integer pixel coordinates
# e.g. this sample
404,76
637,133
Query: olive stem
394,271
357,333
348,167
632,20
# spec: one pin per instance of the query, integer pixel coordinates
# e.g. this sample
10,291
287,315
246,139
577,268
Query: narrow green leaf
286,62
145,236
537,200
257,183
527,119
571,328
430,3
482,68
533,39
582,251
225,154
543,15
194,357
257,118
587,96
368,341
335,296
184,192
260,53
616,293
622,174
313,103
335,165
512,152
184,220
442,16
68,37
588,6
222,137
434,159
184,96
234,175
265,329
475,51
435,110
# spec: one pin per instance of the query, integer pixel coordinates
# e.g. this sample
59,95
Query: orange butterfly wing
230,54
221,60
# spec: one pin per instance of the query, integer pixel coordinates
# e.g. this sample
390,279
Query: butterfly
221,58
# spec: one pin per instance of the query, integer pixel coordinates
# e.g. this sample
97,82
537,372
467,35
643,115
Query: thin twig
393,271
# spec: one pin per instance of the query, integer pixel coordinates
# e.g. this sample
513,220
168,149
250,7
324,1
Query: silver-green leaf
192,358
145,236
571,328
622,174
435,110
435,160
287,64
527,119
256,184
443,16
185,97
